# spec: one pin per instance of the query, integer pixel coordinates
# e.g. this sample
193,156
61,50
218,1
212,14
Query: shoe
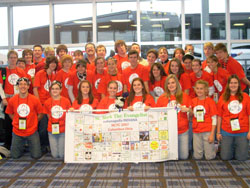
4,152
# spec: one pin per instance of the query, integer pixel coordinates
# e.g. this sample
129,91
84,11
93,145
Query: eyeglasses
23,79
56,82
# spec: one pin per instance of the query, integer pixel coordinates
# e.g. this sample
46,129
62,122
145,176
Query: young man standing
137,48
135,70
121,56
25,110
90,58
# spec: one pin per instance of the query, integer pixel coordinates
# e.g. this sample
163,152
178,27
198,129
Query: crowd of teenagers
211,97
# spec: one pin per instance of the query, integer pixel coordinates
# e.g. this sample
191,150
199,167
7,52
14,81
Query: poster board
126,136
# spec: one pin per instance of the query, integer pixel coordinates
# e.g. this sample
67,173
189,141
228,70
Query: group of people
210,97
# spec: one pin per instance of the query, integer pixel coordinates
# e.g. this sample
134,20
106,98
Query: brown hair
181,69
61,47
179,49
131,95
213,58
49,60
66,57
162,72
118,43
153,51
12,52
79,97
27,51
220,46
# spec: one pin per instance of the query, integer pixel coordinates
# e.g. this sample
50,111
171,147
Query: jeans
56,142
202,146
18,142
234,147
43,133
7,130
183,145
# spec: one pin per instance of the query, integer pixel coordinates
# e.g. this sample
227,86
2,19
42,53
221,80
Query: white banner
126,136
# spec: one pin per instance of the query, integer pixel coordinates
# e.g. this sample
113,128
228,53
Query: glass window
29,23
205,19
116,21
3,26
161,20
240,19
73,23
3,57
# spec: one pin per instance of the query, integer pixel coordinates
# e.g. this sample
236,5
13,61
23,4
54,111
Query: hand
219,137
248,135
146,108
184,108
130,108
5,102
211,138
71,109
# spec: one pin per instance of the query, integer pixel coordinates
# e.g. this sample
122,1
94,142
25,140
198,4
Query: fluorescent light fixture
86,26
134,25
83,21
187,23
158,19
104,26
157,25
209,24
117,21
239,24
249,18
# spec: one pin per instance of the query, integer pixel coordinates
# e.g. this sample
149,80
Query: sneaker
4,152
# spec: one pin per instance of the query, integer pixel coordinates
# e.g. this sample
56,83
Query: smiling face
172,86
133,59
100,65
112,90
221,55
81,69
212,65
196,67
37,52
188,64
151,58
179,55
101,52
52,66
121,49
67,64
28,58
85,88
111,66
208,51
200,90
55,91
156,72
174,67
23,87
90,50
163,55
233,85
137,87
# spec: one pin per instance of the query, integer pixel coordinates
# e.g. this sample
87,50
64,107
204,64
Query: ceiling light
83,21
104,26
187,23
239,24
158,19
135,25
157,25
209,24
116,21
86,26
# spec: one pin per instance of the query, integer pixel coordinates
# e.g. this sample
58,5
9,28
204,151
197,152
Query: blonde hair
204,83
208,44
178,93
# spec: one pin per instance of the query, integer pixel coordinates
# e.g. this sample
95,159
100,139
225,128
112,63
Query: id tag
200,115
55,128
16,90
216,97
22,123
235,125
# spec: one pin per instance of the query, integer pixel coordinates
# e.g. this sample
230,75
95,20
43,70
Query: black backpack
3,74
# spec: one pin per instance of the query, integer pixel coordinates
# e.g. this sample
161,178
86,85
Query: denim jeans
234,147
56,142
183,145
18,142
202,146
43,133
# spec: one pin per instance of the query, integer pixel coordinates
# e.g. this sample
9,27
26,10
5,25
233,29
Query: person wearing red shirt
27,54
174,97
138,97
43,80
108,102
76,76
208,50
134,71
204,122
78,55
231,65
85,100
99,74
63,75
25,110
90,56
163,56
233,128
157,77
8,89
176,68
48,51
179,54
54,107
37,55
199,74
152,55
219,76
121,56
112,74
187,63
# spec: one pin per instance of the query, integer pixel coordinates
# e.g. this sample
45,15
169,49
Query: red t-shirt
137,102
30,70
43,82
166,67
74,80
96,82
233,109
129,74
220,80
205,66
56,117
103,85
158,86
205,76
85,105
28,108
209,109
106,103
182,117
234,67
185,81
12,75
63,77
39,65
122,62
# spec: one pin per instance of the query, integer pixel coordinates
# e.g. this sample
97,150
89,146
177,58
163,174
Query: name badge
235,125
16,90
22,123
200,115
55,128
216,97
